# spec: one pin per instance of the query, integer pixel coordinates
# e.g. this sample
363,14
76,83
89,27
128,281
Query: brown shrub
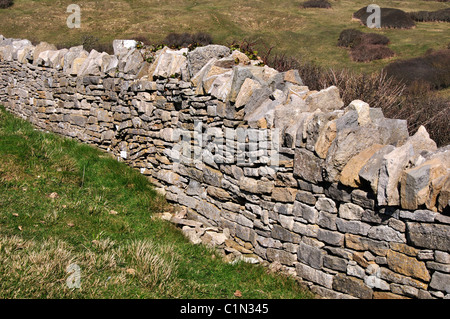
420,106
374,38
184,40
426,16
316,4
349,38
433,69
390,18
6,3
370,52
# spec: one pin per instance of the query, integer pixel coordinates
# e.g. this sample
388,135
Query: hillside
310,34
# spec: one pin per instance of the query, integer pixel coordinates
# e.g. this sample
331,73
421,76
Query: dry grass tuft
39,269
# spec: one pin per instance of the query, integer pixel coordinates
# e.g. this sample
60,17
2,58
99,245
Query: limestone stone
122,47
71,55
369,173
41,47
326,100
408,266
284,257
202,55
440,281
429,236
361,243
350,211
307,212
314,275
326,204
326,137
307,166
386,233
352,286
350,173
285,195
390,172
363,110
352,226
312,256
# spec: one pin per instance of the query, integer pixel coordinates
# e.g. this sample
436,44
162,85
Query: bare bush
6,3
390,18
427,16
316,4
433,69
187,40
370,52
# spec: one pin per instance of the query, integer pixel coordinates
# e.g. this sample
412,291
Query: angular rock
408,266
350,211
314,275
390,172
415,184
429,236
41,47
386,233
122,47
352,286
284,194
440,281
312,256
350,173
369,173
305,211
202,55
326,204
282,256
326,100
307,166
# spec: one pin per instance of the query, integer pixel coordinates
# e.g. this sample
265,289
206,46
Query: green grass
126,255
309,34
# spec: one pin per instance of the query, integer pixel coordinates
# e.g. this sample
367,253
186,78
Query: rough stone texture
202,55
354,204
408,266
429,236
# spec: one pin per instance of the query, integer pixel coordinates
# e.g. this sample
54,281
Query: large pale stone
350,172
416,187
122,47
314,275
421,141
326,137
41,47
169,63
369,173
326,100
393,165
363,110
202,55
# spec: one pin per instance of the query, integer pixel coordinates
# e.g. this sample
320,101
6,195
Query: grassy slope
124,255
307,33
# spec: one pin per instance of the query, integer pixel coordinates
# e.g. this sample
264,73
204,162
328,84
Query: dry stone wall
337,195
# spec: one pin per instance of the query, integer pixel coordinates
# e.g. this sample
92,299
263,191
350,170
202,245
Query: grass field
64,203
310,34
